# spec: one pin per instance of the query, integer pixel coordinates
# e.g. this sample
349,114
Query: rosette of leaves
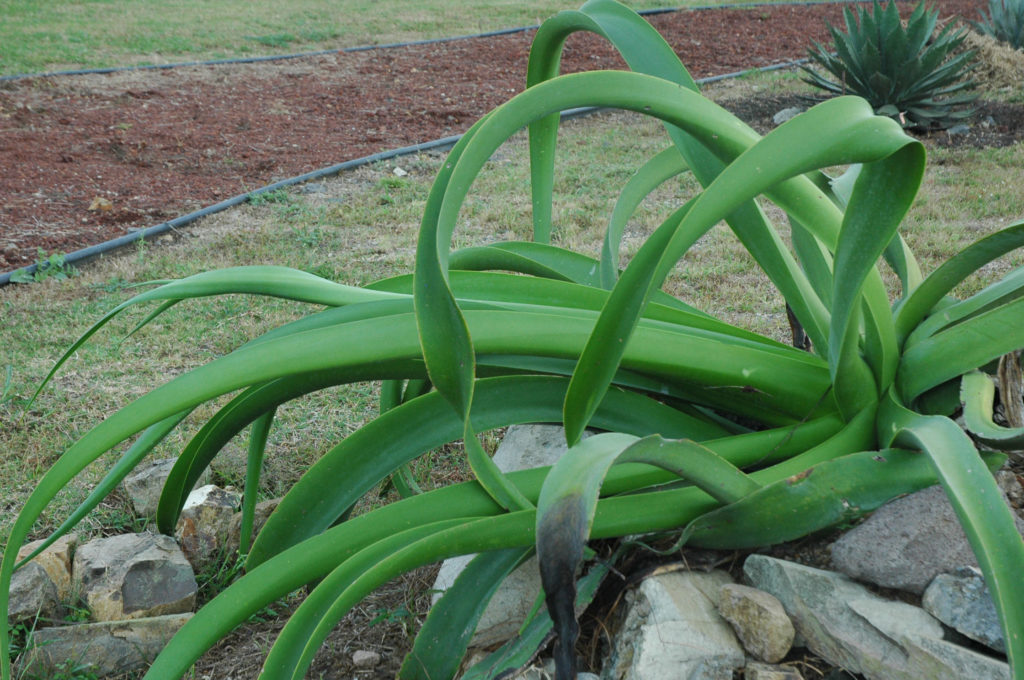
1004,22
707,429
909,73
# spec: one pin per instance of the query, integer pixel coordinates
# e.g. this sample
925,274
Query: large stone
33,595
205,523
509,606
56,560
851,627
103,648
529,446
962,601
759,620
907,543
522,447
145,484
673,630
261,514
134,576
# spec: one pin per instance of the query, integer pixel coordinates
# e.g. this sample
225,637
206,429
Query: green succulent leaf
977,393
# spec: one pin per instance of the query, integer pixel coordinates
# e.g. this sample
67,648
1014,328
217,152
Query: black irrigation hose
431,41
134,237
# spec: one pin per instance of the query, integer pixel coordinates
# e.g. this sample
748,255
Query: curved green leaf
442,641
977,394
253,469
824,495
658,170
940,282
960,349
975,497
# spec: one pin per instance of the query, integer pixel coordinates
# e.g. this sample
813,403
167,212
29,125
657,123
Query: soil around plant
89,158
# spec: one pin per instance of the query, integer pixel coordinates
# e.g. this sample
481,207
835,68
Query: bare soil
89,158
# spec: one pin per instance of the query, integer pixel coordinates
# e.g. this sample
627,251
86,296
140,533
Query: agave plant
729,437
1004,22
904,72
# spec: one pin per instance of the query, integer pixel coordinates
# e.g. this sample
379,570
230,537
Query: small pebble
365,659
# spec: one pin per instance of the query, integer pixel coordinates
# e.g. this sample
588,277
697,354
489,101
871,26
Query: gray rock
205,523
962,601
762,671
961,129
530,446
56,560
787,114
134,576
759,621
144,485
261,514
365,659
851,627
1010,485
523,447
508,607
906,543
33,595
105,648
672,630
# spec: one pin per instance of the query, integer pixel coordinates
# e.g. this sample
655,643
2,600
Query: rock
144,485
787,114
134,576
763,671
962,601
759,621
509,606
365,659
906,543
261,513
104,648
56,560
204,525
33,595
523,447
672,630
530,446
851,627
961,129
1009,484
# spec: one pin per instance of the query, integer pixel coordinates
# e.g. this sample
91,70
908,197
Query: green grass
364,228
44,36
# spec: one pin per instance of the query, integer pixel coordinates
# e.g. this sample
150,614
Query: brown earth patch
159,144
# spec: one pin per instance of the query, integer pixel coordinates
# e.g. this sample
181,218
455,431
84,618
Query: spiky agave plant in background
773,442
909,73
1004,22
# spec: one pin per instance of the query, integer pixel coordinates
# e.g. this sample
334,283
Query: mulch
89,158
